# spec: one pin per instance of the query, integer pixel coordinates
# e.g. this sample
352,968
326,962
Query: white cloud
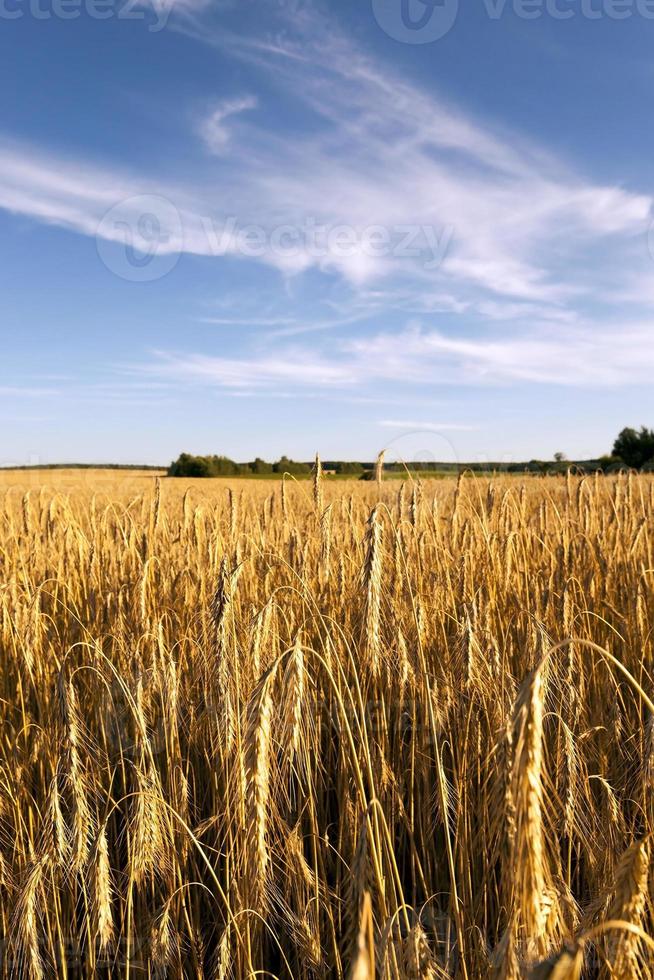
253,321
214,131
295,368
391,153
26,391
559,356
579,357
427,426
378,151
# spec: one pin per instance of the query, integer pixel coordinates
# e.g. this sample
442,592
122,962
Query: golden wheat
326,730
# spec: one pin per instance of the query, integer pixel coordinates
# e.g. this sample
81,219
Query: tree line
198,466
632,448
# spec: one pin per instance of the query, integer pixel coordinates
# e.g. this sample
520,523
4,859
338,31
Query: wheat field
280,729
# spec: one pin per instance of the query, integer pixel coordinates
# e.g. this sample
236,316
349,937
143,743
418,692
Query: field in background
99,477
92,481
324,731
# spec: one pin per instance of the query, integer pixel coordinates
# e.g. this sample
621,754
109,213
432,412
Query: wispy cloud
579,356
377,151
26,391
248,321
412,426
388,152
214,129
294,368
539,254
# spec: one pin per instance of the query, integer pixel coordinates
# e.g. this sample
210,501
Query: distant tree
354,468
286,465
560,457
635,448
187,465
222,466
203,466
260,466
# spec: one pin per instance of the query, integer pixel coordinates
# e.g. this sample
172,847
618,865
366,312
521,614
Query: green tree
286,465
187,465
635,448
222,466
203,466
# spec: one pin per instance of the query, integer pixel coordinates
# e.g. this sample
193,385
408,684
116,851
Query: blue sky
258,228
